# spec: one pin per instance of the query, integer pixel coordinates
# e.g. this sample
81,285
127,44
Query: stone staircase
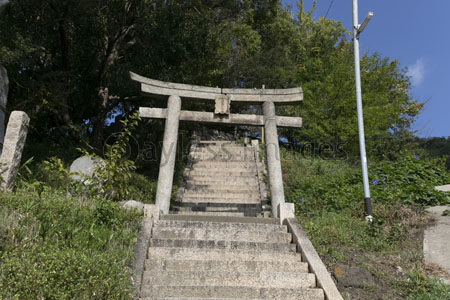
216,244
223,179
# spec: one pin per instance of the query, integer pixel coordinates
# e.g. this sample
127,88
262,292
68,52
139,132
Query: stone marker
84,167
15,137
3,100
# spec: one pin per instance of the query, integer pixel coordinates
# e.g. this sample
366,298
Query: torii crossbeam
223,98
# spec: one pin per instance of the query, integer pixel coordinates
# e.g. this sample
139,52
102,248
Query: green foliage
423,288
141,189
112,176
328,229
329,203
411,180
57,247
435,147
54,173
334,186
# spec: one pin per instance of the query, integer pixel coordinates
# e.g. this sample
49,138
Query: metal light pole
357,29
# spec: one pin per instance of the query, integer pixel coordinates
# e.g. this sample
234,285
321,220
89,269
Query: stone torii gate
223,98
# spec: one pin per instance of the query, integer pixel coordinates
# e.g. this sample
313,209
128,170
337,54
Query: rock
132,204
349,276
83,168
3,100
443,188
15,137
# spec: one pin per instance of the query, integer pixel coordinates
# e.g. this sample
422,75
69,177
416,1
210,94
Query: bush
51,272
333,186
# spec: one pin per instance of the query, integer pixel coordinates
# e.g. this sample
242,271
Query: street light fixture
365,22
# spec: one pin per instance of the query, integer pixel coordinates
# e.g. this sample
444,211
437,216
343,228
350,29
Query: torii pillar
222,97
169,151
273,156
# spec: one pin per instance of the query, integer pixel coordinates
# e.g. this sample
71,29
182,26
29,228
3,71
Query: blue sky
416,33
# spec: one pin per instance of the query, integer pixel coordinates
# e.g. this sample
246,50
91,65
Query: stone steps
224,195
219,244
220,225
221,234
222,188
231,292
230,181
222,172
223,157
226,164
224,209
228,154
206,254
225,149
229,200
246,214
157,265
215,245
214,169
233,278
218,219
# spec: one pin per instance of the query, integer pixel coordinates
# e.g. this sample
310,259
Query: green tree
69,62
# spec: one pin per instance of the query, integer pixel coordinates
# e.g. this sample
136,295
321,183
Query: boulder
83,168
132,204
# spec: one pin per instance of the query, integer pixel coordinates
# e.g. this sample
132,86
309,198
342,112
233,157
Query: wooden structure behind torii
223,98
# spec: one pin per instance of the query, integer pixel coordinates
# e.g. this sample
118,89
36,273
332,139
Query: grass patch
329,203
57,247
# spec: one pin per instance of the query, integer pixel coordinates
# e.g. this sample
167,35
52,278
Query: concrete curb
436,245
310,256
151,214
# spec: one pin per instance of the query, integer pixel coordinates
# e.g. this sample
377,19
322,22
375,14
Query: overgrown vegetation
68,239
57,247
329,201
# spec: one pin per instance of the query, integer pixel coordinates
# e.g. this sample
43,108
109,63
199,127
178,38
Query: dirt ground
364,276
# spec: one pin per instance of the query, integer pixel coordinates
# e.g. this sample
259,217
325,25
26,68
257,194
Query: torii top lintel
161,88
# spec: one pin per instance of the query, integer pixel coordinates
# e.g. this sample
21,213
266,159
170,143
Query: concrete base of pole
273,157
168,155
